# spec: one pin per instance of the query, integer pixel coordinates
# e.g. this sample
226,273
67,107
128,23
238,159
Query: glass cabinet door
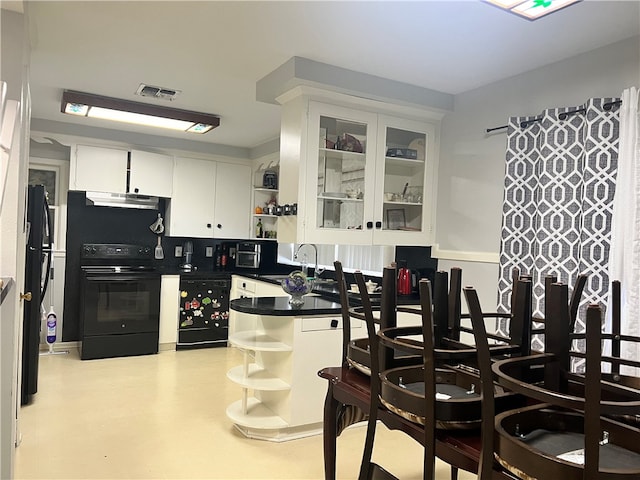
403,181
344,174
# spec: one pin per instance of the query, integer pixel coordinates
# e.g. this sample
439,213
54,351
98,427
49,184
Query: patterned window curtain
558,201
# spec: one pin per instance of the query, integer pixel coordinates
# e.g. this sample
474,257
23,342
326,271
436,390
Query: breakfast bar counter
279,306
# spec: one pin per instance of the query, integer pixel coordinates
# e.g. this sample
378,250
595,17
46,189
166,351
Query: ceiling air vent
157,92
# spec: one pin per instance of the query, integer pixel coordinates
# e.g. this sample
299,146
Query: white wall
14,55
470,187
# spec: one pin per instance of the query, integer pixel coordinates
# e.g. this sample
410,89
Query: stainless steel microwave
248,255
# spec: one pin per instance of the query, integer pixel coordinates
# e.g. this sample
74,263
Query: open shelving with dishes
265,201
368,178
282,397
264,387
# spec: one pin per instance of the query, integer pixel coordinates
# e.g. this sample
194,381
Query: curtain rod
524,124
562,116
609,105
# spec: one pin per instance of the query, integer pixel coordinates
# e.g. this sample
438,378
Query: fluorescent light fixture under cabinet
106,108
532,9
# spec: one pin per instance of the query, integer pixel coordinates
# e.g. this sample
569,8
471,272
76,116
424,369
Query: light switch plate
208,252
178,251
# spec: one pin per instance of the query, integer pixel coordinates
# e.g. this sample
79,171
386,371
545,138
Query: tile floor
163,417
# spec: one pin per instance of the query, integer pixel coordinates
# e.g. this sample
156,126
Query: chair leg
365,465
329,434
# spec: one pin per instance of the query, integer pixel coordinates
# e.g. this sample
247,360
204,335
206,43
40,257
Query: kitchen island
284,347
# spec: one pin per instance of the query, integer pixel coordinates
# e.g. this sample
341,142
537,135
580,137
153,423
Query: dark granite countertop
328,288
279,306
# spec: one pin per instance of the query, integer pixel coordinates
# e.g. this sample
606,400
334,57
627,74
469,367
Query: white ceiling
216,51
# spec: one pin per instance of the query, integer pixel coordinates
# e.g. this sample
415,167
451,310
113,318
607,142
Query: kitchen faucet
316,270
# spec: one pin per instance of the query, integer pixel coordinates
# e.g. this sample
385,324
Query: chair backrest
387,314
426,305
386,311
344,311
380,357
448,315
616,360
556,325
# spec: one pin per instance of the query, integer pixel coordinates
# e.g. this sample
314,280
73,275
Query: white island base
282,396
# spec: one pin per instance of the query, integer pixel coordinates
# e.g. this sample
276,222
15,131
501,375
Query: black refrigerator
37,270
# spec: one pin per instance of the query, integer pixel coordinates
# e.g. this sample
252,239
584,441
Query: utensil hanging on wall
158,253
157,227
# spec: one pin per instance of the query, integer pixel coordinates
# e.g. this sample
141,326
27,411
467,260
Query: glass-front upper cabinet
341,181
404,181
369,178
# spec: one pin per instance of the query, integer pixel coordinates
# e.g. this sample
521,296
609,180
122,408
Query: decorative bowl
297,285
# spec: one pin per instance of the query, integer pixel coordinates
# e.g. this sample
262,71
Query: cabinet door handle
369,225
208,225
378,224
219,225
136,190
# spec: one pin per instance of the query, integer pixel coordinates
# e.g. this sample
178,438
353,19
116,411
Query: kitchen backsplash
96,224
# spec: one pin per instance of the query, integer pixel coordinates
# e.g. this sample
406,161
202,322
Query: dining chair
356,352
347,398
567,430
441,393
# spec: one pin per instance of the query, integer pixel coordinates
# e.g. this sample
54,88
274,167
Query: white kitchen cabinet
232,201
404,202
110,170
244,287
282,396
190,211
366,177
151,174
210,199
340,181
99,169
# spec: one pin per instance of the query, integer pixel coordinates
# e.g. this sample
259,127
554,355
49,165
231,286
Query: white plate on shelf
334,195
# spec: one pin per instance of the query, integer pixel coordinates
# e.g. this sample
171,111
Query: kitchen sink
276,278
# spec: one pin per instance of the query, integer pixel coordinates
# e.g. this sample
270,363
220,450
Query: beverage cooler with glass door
204,312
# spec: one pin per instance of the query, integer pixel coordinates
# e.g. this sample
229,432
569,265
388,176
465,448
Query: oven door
120,303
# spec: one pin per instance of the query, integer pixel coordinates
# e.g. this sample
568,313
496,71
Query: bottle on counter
224,257
217,256
259,229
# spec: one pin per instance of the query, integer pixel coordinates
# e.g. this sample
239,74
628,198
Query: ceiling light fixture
106,108
532,9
